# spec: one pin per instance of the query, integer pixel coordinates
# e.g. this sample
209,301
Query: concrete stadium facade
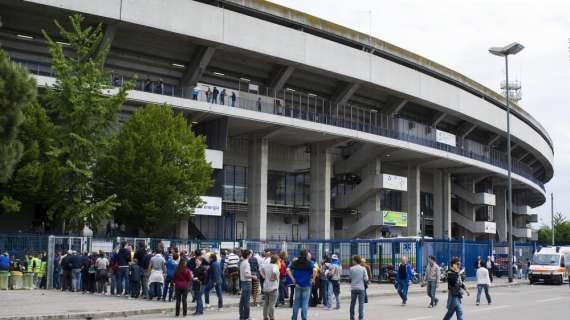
330,133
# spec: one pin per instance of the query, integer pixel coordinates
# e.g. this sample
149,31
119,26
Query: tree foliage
561,231
157,168
17,90
84,120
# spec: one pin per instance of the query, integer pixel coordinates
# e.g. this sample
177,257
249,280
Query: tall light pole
505,51
552,215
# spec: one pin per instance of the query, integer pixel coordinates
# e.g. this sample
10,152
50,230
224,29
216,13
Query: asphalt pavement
538,302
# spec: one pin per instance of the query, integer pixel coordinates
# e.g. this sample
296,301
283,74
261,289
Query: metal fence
381,254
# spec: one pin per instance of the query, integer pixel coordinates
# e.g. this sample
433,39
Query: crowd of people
267,278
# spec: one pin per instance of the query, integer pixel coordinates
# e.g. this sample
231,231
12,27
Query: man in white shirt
483,283
270,273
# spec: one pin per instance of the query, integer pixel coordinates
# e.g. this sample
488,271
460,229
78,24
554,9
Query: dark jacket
123,257
135,273
454,284
200,274
215,272
76,261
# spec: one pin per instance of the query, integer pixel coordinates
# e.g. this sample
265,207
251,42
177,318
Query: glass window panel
229,183
240,184
290,190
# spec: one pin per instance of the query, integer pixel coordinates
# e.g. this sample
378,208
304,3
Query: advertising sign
390,181
445,138
395,218
211,206
105,246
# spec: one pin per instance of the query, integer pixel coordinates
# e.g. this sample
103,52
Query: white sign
390,181
490,227
215,158
105,246
445,138
230,245
211,206
253,87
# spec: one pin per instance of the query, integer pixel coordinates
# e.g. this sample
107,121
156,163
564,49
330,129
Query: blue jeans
199,302
155,290
357,294
168,288
403,289
302,296
326,293
282,290
335,284
244,300
431,288
453,306
56,282
481,287
122,280
76,279
217,285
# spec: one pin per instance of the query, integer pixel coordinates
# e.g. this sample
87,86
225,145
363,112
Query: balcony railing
310,107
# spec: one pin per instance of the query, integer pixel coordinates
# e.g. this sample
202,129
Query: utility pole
552,215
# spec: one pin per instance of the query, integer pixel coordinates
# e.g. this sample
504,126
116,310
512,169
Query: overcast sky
457,34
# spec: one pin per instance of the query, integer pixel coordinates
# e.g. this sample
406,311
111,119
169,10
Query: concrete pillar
500,213
258,152
182,228
441,204
321,168
413,201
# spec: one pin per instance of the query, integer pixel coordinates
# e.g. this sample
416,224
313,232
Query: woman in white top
483,283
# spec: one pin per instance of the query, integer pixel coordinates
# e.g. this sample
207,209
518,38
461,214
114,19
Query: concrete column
500,213
441,204
321,168
413,201
258,152
182,228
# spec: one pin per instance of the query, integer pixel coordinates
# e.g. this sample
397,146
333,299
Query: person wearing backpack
455,287
403,278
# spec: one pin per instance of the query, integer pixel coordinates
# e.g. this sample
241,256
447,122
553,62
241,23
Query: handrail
310,107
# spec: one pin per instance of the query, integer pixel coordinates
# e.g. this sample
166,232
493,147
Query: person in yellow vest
42,275
36,265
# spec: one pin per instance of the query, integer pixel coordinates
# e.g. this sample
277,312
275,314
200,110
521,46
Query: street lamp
505,51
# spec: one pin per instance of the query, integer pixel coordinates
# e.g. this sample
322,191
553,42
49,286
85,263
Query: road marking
421,318
491,308
549,300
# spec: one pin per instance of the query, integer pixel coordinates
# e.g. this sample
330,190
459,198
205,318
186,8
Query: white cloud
457,34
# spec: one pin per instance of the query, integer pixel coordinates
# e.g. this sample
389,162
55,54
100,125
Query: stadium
315,131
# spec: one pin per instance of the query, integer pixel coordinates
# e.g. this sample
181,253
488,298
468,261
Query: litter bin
16,280
4,278
28,282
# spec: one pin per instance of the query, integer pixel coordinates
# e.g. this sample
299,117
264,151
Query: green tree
17,90
561,231
157,169
35,178
83,107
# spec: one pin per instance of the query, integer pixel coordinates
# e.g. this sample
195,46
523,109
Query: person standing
302,273
156,269
123,259
403,277
254,269
336,270
57,270
195,93
198,282
66,266
233,98
282,278
324,275
214,281
245,278
76,263
432,276
215,93
270,273
182,277
222,97
483,283
102,265
455,287
135,278
171,266
208,95
369,271
231,268
358,279
258,104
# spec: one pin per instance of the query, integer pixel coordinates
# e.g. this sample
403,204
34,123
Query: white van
549,265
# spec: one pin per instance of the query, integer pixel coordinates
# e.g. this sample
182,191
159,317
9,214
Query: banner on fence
100,245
